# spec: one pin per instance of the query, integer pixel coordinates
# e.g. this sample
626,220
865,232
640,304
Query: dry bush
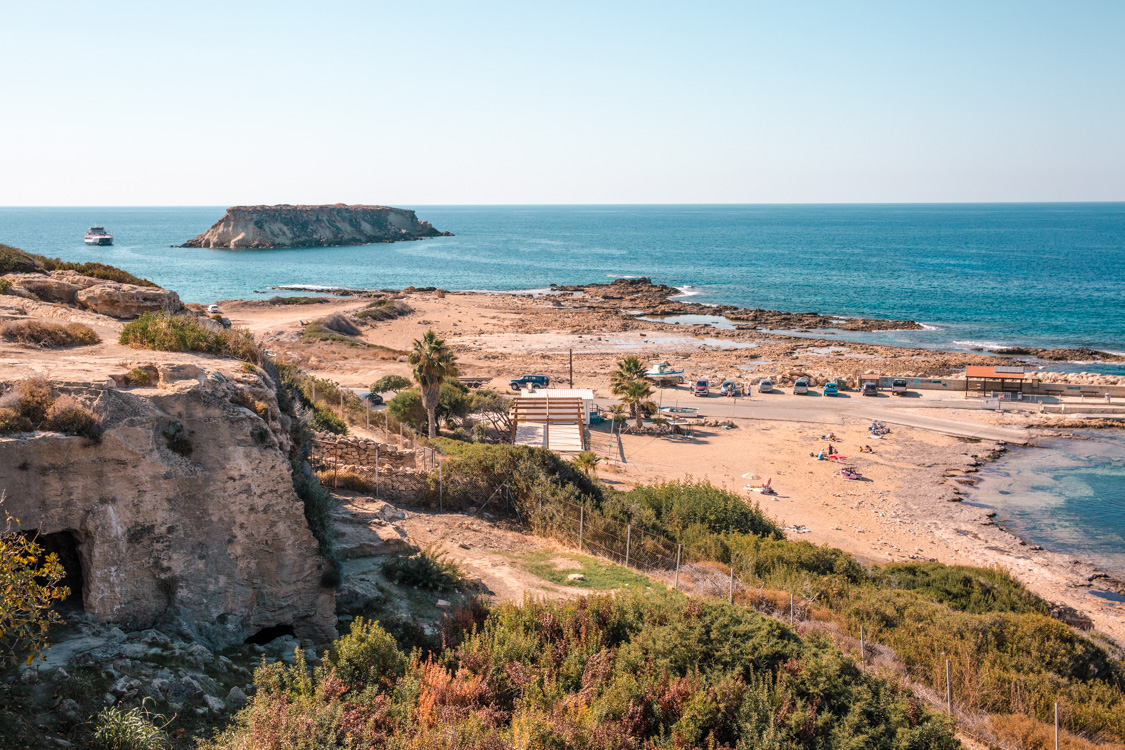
35,397
346,480
71,418
1029,734
12,421
49,335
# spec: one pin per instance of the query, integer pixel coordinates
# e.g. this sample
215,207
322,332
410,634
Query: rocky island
264,227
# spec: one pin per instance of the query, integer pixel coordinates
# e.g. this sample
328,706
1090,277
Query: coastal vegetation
49,335
13,260
185,333
651,669
630,384
29,587
394,383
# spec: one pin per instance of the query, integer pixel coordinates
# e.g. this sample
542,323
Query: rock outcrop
184,515
260,227
112,298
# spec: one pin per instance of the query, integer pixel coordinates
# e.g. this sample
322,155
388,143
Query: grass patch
598,575
279,300
49,335
386,308
426,569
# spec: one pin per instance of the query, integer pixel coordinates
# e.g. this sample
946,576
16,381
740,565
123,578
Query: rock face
252,227
182,517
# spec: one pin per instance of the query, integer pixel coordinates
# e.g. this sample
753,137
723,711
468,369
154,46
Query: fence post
376,471
336,467
862,653
791,618
628,542
367,414
581,525
948,689
1056,725
440,491
679,548
730,587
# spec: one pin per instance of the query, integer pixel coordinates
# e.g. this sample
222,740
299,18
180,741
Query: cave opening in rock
265,635
65,545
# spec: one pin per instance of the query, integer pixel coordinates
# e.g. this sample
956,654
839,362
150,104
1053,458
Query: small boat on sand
98,236
662,373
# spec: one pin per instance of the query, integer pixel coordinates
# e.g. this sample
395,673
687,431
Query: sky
431,103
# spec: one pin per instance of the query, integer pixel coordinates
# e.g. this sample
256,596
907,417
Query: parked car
765,385
212,309
801,387
730,388
538,381
898,386
375,399
830,389
869,389
699,388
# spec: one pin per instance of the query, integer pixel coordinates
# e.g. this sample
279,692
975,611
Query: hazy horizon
210,104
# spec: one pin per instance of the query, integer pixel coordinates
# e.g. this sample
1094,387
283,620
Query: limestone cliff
184,515
251,227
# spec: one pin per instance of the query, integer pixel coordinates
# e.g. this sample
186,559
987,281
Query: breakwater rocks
263,227
648,298
1078,378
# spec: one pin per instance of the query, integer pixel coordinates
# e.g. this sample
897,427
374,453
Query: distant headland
263,227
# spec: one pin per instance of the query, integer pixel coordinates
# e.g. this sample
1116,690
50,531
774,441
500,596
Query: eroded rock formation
112,298
252,227
183,516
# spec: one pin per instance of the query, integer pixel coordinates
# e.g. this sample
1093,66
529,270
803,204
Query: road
819,409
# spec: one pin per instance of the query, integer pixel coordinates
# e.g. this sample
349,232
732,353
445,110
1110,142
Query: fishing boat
662,373
98,236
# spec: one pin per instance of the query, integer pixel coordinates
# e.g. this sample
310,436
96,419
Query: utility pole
571,368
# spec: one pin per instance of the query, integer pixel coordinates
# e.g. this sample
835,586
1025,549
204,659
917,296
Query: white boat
98,236
662,372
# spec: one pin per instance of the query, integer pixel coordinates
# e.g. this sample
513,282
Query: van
699,388
898,386
212,309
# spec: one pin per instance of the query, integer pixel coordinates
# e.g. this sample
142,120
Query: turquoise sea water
1069,498
979,275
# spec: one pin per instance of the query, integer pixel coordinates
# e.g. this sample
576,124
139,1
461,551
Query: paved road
826,410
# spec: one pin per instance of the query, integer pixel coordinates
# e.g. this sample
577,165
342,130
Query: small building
981,380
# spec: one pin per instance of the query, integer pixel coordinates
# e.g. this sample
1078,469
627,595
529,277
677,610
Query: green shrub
297,300
367,655
383,309
326,420
318,504
674,507
425,569
49,335
394,383
5,286
184,333
967,589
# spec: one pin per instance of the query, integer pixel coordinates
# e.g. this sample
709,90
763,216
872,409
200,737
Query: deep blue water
1070,498
1033,274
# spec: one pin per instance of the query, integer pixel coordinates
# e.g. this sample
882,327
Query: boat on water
98,236
662,373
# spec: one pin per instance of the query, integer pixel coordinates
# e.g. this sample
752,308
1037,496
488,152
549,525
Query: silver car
801,387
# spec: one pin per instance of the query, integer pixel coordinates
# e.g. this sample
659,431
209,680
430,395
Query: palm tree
636,395
629,371
587,462
433,362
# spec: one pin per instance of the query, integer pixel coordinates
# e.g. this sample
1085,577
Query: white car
765,385
801,387
212,309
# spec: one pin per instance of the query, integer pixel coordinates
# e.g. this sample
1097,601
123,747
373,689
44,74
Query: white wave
686,291
928,327
982,344
620,276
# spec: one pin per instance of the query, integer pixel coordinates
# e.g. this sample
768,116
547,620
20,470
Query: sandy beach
908,507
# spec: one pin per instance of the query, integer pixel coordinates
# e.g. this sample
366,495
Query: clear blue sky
413,103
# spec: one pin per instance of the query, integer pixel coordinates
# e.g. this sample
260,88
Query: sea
977,276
